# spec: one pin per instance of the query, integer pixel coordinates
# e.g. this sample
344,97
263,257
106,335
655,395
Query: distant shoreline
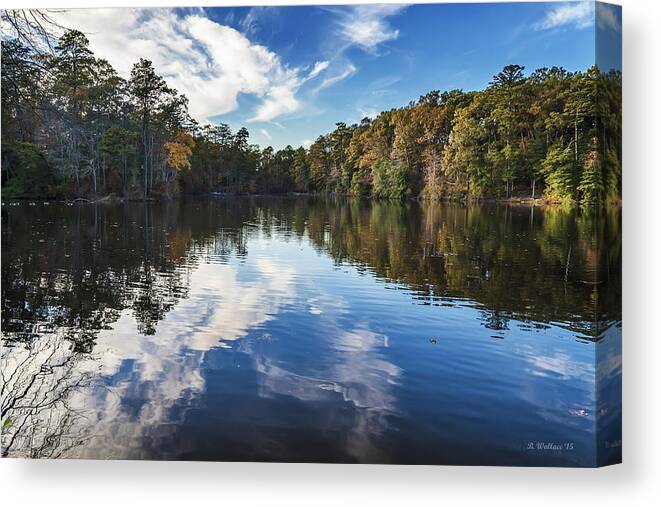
538,202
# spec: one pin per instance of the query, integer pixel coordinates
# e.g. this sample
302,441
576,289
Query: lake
311,329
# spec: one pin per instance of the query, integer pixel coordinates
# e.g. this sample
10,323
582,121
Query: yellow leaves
180,150
508,152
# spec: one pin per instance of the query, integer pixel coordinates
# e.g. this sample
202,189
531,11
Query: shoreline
511,201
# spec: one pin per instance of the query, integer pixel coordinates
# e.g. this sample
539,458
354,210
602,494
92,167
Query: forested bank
72,127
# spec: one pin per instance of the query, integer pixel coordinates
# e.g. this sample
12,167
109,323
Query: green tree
118,152
559,169
147,90
35,179
591,186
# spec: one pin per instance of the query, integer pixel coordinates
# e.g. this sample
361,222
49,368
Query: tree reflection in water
71,273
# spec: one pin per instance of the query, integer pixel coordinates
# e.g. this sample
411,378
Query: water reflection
310,329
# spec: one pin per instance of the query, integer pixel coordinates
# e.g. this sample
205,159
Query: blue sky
290,73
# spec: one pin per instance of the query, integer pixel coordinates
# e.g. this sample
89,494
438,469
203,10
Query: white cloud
249,23
607,17
266,134
210,63
280,99
577,14
368,113
366,26
349,70
319,67
306,143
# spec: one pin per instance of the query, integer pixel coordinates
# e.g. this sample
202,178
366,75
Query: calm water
310,329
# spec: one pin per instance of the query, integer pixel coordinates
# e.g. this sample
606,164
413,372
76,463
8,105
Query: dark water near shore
310,329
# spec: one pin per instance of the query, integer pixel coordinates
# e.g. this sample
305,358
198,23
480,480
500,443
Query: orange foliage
180,150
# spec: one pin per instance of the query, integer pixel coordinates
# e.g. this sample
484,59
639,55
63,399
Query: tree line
72,127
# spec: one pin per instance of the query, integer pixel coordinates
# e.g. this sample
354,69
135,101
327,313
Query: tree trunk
576,138
145,141
124,175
